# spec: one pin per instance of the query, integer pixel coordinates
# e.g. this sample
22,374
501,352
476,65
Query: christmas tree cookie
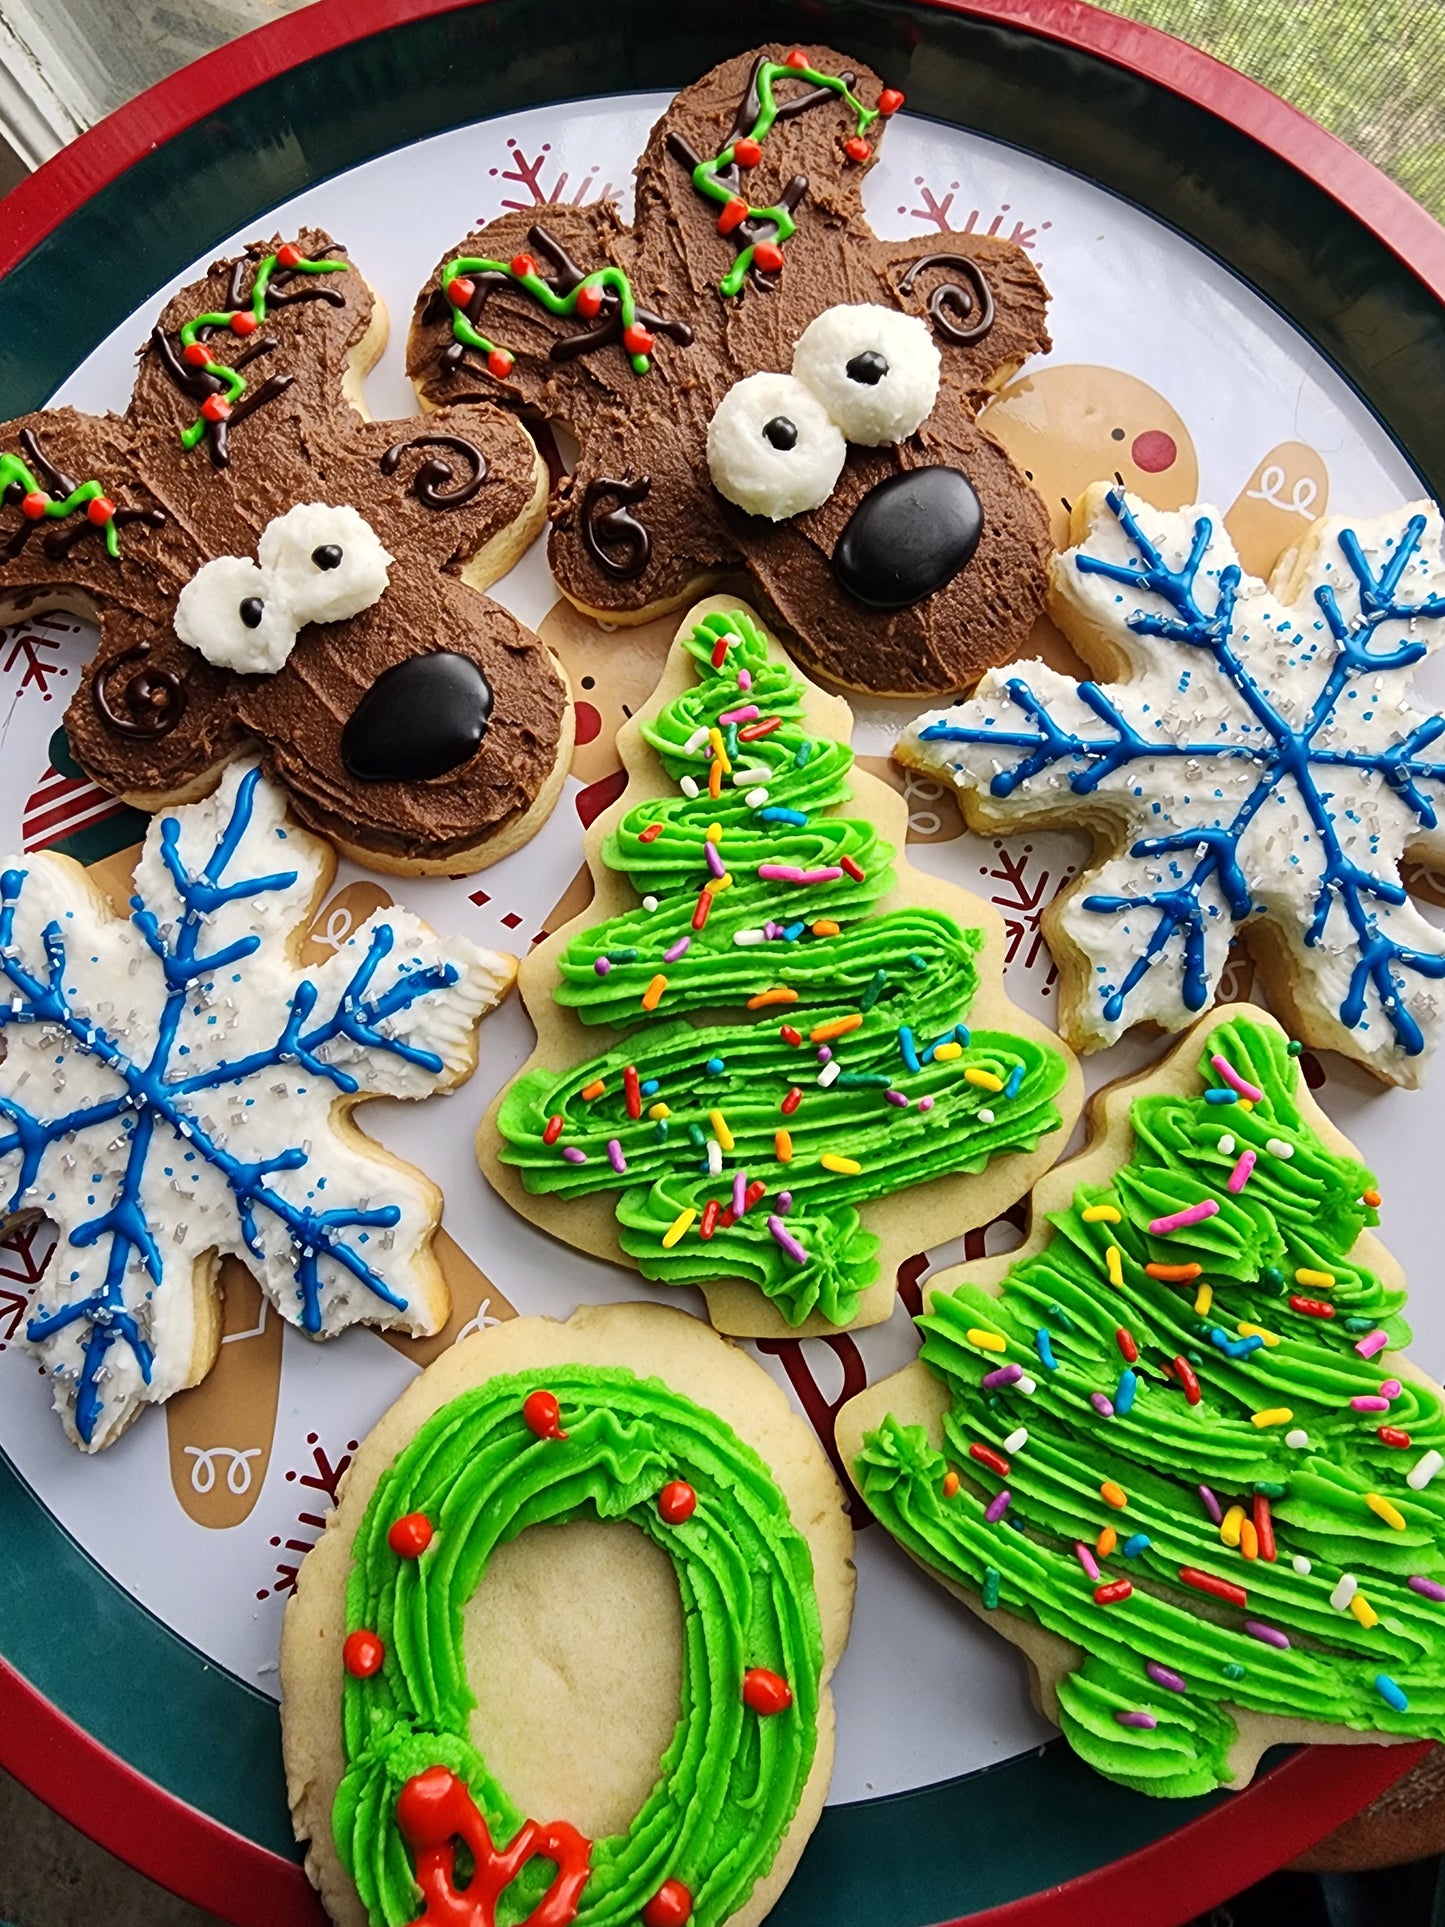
1171,1447
768,1032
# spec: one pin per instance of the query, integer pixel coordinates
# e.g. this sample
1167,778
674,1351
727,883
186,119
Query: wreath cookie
268,565
768,1031
630,1414
1172,1447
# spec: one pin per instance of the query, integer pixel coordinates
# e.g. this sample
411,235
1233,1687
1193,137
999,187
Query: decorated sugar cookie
683,1790
176,1089
1171,1447
269,565
768,1031
758,381
1254,764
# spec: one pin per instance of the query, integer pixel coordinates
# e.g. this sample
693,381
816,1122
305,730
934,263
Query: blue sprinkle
1136,1543
962,1035
649,1087
1045,1347
1015,1078
1221,1097
714,1067
1391,1694
1124,1397
774,814
792,931
906,1045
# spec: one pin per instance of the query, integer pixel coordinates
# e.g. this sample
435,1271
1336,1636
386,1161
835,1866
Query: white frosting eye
874,370
772,448
326,563
227,612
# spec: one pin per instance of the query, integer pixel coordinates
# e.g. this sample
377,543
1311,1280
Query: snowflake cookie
1257,764
175,1088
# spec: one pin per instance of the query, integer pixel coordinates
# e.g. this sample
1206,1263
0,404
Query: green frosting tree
1175,1434
787,1049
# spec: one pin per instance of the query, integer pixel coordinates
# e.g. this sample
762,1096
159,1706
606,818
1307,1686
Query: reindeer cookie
759,383
268,565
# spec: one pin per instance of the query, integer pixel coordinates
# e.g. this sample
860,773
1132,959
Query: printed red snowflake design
25,658
528,177
324,1477
24,1254
936,211
819,1409
1023,899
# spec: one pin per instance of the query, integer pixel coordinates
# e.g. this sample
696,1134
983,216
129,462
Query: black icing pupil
252,610
869,368
781,432
328,556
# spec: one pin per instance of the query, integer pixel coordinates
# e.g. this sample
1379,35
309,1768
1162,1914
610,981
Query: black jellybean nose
419,719
908,536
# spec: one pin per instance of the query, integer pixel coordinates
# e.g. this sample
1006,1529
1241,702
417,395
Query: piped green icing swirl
730,1780
910,974
1303,1211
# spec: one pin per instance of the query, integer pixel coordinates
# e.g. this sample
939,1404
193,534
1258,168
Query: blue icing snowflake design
175,1086
1260,765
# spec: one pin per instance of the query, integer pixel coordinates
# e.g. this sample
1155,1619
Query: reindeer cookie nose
909,536
421,718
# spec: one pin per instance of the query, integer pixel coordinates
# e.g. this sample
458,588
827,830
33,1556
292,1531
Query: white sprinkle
649,903
828,1073
1297,1439
1423,1470
1344,1592
755,799
1226,1145
1028,1386
714,1158
688,786
1300,1564
1277,1147
1016,1441
750,936
694,742
753,773
985,1115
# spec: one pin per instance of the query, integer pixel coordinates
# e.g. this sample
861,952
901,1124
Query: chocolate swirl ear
136,700
615,539
430,484
954,298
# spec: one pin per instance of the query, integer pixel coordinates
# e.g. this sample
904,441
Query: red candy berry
889,101
589,299
100,510
499,363
670,1906
676,1501
33,505
768,256
797,58
857,149
747,152
215,408
197,354
638,340
362,1654
460,290
543,1415
766,1693
243,322
288,256
734,213
523,264
410,1535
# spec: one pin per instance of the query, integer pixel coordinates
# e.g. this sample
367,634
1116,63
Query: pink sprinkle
1390,1388
602,966
714,858
1140,1718
1211,1505
998,1505
1369,1404
573,1155
740,1193
1427,1588
1101,1405
772,931
790,873
1232,1077
785,1203
825,1056
925,1103
1239,1176
1166,1676
1271,1635
747,714
745,680
789,1244
676,950
614,1152
1181,1220
1372,1342
1086,1559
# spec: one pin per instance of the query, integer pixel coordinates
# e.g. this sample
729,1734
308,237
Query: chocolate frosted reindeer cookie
758,382
269,565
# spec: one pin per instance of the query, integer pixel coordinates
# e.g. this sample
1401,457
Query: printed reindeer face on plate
268,565
751,317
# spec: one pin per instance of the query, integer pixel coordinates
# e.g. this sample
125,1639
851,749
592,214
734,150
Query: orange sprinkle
1113,1494
594,1089
1106,1542
1371,1198
950,1485
714,779
825,927
652,996
780,994
1174,1274
1248,1539
783,1146
839,1027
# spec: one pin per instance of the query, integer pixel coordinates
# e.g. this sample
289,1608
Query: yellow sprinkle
1246,1104
1203,1299
1114,1265
714,833
1275,1415
1229,1525
1246,1330
1113,1495
658,1111
989,1341
1106,1542
719,884
783,1146
950,1485
1382,1509
720,1129
678,1226
652,996
1248,1539
719,751
945,1053
1364,1611
594,1089
825,927
985,1080
1101,1214
837,1027
1319,1280
845,1167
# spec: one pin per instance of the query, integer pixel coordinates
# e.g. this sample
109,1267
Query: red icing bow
435,1809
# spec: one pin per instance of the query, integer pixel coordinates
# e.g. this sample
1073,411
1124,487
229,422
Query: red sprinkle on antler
435,1810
